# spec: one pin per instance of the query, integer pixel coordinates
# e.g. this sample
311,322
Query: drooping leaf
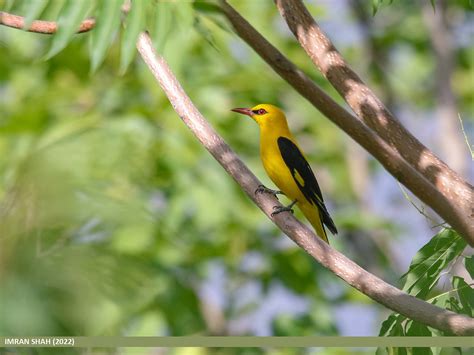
8,5
391,326
68,23
108,20
163,23
469,263
206,7
414,328
33,10
388,324
453,305
376,4
423,275
441,299
185,15
53,9
465,294
431,259
134,23
204,32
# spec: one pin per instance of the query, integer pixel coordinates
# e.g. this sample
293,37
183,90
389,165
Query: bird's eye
261,111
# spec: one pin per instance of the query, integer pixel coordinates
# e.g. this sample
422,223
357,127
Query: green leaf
392,325
205,32
420,330
421,351
417,329
431,259
185,15
388,324
453,305
433,5
375,6
469,263
107,24
134,24
33,10
465,294
163,25
69,20
53,9
206,7
8,5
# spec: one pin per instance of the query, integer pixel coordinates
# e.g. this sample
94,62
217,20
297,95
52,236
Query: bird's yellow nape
262,113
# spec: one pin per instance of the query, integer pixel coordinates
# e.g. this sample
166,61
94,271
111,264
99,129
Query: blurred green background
115,221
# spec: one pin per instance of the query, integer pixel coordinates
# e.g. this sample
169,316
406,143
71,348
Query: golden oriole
288,168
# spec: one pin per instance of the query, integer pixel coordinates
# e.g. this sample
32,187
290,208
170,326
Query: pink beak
243,111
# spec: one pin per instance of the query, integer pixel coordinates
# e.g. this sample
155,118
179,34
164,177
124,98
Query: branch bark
340,265
453,207
456,205
44,27
343,267
385,153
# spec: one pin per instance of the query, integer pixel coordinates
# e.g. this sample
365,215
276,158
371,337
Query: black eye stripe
259,111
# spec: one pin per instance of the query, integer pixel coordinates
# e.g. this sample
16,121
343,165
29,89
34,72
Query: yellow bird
288,168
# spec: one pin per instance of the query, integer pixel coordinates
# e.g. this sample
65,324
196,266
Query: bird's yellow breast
276,168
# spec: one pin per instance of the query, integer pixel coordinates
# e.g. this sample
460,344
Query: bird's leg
279,209
262,189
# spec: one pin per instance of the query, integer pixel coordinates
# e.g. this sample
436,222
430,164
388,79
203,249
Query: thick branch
346,269
457,193
44,27
387,155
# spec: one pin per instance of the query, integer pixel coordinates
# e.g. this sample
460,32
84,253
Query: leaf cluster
427,268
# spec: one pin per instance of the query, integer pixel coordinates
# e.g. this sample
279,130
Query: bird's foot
280,209
261,189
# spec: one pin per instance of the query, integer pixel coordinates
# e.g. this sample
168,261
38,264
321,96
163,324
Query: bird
288,168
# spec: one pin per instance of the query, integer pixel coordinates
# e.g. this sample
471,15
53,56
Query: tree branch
385,153
343,267
340,265
44,27
458,194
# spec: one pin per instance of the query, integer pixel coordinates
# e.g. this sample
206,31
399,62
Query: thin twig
420,210
469,146
38,26
343,267
330,258
449,291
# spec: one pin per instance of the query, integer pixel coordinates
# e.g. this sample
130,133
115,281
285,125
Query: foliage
376,4
114,220
423,275
159,18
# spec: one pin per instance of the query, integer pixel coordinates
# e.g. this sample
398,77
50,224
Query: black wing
298,165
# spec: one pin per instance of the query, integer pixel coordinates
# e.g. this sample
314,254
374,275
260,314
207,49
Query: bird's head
264,114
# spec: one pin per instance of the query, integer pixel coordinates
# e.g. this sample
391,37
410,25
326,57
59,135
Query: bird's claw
280,209
262,189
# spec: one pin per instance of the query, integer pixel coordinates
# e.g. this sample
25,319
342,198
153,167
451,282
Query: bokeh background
115,221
